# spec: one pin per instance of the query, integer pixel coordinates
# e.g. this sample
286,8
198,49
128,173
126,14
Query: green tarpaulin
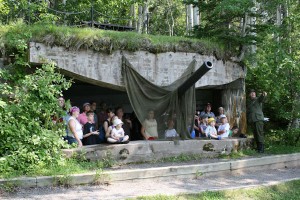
164,101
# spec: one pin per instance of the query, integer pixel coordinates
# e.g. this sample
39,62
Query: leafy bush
29,138
289,137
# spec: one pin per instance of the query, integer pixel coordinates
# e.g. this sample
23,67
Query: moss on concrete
74,38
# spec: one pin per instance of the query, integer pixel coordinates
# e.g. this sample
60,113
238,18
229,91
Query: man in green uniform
256,118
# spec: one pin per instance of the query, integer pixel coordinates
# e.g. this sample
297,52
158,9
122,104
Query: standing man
256,118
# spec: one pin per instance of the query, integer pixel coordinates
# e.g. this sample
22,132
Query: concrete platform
193,171
140,151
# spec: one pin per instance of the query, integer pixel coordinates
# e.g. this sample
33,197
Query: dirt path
170,186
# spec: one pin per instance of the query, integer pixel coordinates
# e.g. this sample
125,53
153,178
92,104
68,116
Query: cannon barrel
205,67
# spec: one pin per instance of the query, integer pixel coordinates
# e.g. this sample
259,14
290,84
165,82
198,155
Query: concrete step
194,170
142,150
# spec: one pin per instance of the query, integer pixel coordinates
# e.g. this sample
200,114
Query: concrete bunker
222,86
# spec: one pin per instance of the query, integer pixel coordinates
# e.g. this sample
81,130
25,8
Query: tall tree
278,68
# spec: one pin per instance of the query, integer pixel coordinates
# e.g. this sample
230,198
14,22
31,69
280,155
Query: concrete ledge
230,166
140,151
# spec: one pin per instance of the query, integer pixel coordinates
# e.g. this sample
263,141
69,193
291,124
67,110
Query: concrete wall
140,151
234,101
161,69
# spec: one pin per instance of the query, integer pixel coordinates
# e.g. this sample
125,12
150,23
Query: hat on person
117,122
252,90
208,104
211,120
73,109
222,116
85,104
204,116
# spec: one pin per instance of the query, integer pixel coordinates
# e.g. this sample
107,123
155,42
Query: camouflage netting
164,101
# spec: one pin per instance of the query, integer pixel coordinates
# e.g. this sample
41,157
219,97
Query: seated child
224,128
117,133
203,125
211,131
90,134
234,131
171,132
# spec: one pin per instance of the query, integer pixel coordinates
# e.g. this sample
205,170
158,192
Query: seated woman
75,133
149,127
207,111
108,121
211,131
171,132
117,133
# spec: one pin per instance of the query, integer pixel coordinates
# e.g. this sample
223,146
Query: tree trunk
140,15
145,18
130,23
196,16
253,47
243,26
171,22
189,18
278,20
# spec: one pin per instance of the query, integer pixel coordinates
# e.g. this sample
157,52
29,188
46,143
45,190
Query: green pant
258,130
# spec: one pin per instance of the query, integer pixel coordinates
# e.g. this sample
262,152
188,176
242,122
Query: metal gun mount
205,67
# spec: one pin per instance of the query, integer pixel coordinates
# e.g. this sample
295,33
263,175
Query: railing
45,14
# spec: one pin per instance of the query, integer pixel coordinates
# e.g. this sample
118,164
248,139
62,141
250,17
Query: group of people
111,126
89,127
214,127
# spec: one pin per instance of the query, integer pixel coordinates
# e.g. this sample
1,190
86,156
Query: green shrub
289,137
28,102
30,138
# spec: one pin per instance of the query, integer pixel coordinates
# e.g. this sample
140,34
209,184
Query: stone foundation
140,151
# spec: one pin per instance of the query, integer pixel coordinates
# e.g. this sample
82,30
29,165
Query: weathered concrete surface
161,69
194,170
234,101
139,151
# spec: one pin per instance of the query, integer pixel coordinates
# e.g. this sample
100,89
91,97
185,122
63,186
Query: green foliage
31,138
289,137
63,180
275,69
165,15
221,20
108,160
107,41
101,178
28,103
9,187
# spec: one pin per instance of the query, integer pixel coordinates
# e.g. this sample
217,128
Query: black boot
261,147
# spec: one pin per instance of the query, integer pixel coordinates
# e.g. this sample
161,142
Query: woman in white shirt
149,127
75,133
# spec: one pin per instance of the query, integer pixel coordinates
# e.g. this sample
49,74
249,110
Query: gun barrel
203,69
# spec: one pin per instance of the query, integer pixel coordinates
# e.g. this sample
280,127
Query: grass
284,191
67,167
107,41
